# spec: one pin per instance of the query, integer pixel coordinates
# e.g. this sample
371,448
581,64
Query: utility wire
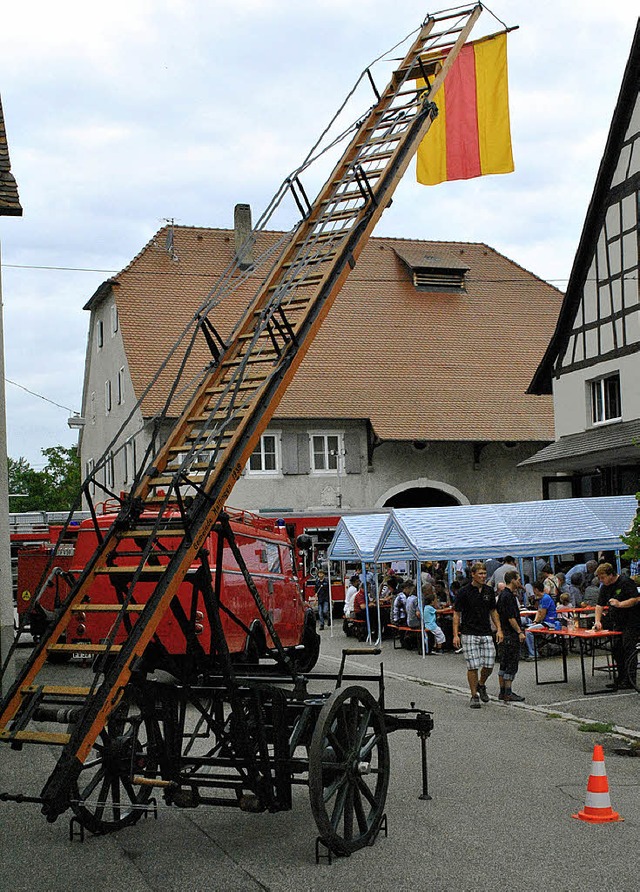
72,269
39,395
156,273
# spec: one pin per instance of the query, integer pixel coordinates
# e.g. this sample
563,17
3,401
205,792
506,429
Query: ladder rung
161,552
376,156
380,140
253,360
262,337
328,216
415,91
221,442
329,255
326,236
159,534
81,648
165,481
244,385
129,571
107,608
309,281
292,302
56,739
56,690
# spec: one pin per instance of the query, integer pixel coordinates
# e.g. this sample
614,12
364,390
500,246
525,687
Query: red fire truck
269,556
34,538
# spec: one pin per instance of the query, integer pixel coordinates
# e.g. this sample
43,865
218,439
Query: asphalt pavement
505,781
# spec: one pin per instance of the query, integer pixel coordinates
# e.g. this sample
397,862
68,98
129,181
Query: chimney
242,235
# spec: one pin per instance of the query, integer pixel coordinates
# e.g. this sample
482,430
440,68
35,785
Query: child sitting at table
430,622
568,619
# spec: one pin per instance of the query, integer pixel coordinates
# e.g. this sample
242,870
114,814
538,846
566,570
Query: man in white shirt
352,591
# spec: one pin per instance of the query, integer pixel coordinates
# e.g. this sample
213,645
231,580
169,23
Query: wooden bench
400,633
354,627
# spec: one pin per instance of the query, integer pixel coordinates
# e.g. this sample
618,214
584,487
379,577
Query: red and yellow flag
471,135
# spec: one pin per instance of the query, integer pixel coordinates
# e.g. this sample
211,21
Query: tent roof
467,532
356,537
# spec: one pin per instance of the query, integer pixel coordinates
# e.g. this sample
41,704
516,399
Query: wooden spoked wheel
349,770
633,663
105,797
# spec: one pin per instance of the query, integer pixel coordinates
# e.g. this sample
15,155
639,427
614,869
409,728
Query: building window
120,386
90,466
131,448
108,471
605,399
114,319
265,458
92,407
107,397
327,451
100,333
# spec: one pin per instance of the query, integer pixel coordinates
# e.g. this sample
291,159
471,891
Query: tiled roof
419,365
9,200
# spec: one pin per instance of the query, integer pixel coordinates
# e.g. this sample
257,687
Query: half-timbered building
592,363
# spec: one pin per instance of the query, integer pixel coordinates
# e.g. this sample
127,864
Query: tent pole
420,606
366,600
330,598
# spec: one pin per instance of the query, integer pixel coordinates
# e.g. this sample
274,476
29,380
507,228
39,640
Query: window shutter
304,463
295,453
289,453
352,458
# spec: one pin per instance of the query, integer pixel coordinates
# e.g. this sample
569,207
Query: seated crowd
545,602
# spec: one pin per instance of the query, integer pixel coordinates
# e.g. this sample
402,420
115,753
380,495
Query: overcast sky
121,116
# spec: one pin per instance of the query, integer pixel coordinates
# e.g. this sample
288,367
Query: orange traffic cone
597,809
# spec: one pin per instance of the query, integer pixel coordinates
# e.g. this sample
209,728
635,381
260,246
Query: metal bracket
295,184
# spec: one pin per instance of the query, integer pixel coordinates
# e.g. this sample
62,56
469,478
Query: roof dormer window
433,272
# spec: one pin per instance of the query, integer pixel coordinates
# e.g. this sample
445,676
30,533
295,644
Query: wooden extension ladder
210,444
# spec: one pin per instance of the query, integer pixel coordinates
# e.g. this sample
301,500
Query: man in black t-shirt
622,597
473,611
324,599
513,636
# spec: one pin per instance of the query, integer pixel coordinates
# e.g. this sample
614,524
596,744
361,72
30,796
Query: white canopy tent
521,529
472,532
355,541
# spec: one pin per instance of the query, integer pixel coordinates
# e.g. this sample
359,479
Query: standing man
621,595
551,582
509,613
473,611
322,594
507,566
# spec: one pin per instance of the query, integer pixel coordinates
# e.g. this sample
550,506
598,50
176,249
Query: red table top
576,633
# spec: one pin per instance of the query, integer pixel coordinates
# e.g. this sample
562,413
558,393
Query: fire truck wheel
349,770
109,794
307,658
255,645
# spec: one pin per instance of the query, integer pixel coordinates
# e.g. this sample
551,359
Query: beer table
581,636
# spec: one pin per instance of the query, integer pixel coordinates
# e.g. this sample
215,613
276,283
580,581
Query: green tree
54,488
632,539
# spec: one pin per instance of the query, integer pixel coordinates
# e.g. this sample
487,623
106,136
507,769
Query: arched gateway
422,493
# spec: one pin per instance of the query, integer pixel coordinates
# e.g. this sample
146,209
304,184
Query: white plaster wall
399,466
104,364
570,394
